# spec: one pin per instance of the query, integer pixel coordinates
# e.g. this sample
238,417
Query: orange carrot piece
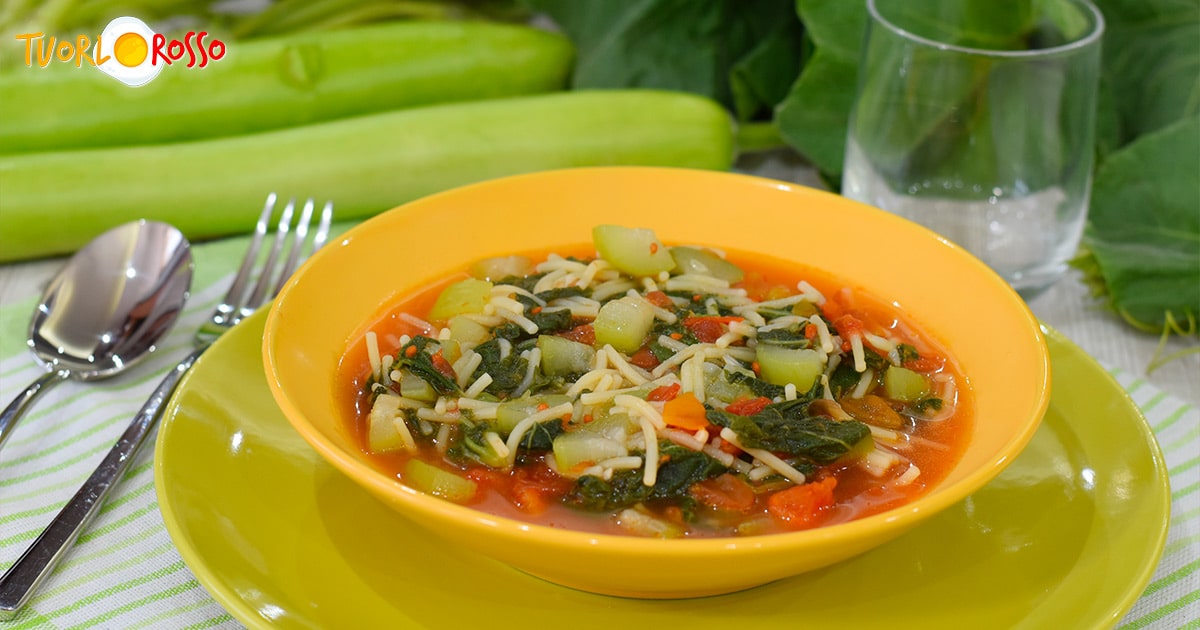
686,412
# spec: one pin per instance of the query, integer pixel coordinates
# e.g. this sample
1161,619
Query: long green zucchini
284,82
54,202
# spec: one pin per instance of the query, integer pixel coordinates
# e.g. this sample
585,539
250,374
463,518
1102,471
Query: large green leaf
1108,120
835,26
761,77
812,119
813,116
1152,59
1143,237
743,53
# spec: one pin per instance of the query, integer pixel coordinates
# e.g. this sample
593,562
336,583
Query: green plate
1067,536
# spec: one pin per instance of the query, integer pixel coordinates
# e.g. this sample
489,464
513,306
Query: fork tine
323,227
318,240
264,277
298,239
234,295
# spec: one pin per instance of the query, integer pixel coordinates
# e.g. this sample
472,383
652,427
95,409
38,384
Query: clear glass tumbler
977,119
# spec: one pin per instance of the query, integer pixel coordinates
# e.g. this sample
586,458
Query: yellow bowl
983,323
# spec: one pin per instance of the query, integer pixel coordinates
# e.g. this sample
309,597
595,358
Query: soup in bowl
654,382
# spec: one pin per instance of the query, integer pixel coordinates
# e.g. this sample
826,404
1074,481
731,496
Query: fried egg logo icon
124,47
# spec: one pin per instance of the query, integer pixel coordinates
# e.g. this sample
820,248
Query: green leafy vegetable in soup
658,391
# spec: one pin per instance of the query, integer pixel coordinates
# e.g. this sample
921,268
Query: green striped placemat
125,572
1172,599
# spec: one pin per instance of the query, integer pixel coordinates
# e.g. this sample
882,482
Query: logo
126,50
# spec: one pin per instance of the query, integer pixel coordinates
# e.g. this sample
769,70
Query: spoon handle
39,560
17,408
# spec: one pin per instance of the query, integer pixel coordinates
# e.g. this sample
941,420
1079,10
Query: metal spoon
107,308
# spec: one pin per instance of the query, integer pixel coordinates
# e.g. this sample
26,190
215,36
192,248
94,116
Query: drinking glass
976,118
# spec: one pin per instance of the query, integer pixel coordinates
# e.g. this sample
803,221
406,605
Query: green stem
753,137
1172,326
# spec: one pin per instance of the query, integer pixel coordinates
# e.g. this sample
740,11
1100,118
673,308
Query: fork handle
22,578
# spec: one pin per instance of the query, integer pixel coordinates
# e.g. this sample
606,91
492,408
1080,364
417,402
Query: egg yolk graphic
130,50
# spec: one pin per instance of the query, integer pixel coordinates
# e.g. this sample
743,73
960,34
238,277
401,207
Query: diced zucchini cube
616,427
641,524
577,450
716,385
383,435
904,384
464,296
780,366
561,356
512,412
468,331
636,251
442,483
703,262
415,387
500,267
623,323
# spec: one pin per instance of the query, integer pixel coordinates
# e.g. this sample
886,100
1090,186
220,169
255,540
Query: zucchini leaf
540,437
843,380
549,322
814,116
785,428
561,292
593,494
683,468
1142,245
770,390
756,385
507,373
791,337
471,446
743,53
421,364
762,77
1152,62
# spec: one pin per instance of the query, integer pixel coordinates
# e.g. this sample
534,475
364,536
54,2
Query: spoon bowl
107,308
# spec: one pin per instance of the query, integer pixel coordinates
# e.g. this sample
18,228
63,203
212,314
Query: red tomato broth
857,493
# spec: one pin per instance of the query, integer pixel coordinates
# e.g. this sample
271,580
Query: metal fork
22,579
